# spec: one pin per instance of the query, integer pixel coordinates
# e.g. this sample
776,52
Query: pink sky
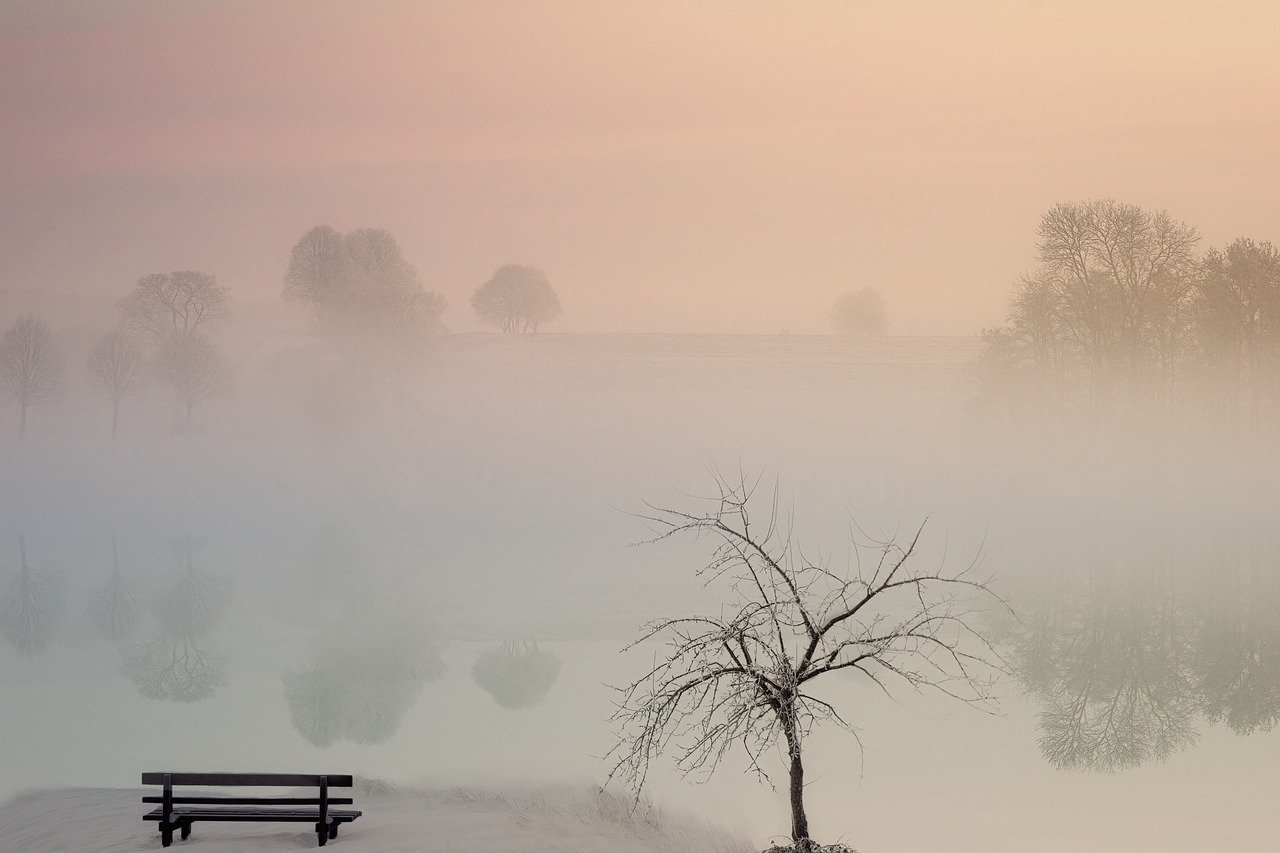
684,167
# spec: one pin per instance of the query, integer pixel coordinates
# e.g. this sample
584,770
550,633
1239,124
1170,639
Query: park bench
179,812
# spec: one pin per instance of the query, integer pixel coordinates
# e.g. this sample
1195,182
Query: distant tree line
358,286
1121,308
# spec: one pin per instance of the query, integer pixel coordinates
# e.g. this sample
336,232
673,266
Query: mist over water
428,577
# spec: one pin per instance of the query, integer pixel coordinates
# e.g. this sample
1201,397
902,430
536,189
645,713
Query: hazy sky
685,166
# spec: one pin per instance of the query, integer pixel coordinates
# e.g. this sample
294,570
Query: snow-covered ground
554,820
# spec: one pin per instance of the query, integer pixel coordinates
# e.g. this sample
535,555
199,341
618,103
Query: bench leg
333,829
186,830
322,834
166,835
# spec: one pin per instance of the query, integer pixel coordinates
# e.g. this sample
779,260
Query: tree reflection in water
1128,665
360,679
29,606
175,662
516,675
115,609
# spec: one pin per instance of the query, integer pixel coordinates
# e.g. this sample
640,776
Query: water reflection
517,675
115,608
175,663
1130,663
30,603
360,679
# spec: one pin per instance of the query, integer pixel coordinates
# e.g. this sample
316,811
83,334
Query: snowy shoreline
548,819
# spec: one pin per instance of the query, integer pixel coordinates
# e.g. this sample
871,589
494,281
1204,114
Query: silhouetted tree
516,675
516,299
194,368
1109,302
745,677
861,313
30,365
181,304
1236,309
116,363
29,605
359,283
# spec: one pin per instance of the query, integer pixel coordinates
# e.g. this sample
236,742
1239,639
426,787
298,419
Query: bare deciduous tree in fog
360,283
517,299
1109,300
182,303
516,675
1237,313
860,313
30,365
116,363
748,676
194,368
29,605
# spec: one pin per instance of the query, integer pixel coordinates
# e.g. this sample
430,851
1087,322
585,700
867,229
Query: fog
332,438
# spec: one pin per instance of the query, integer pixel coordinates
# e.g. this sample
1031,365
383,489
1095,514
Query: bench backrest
235,780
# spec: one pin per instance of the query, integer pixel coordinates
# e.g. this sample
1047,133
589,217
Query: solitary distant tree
181,303
194,368
359,283
860,313
517,299
746,676
30,365
116,364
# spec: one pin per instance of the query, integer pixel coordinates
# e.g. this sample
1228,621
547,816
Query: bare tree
1236,310
194,368
516,299
748,676
116,364
1109,302
181,303
30,365
861,313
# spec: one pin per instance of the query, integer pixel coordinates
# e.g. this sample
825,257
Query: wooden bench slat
253,815
231,780
254,801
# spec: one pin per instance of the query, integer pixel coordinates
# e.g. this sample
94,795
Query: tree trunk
799,820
